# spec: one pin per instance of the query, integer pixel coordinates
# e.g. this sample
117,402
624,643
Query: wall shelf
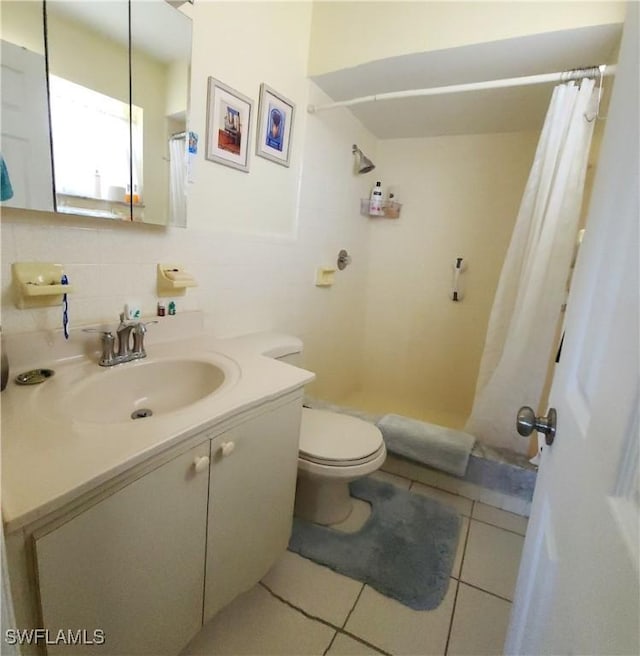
390,209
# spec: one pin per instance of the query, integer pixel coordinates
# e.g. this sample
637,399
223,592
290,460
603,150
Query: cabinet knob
227,448
201,463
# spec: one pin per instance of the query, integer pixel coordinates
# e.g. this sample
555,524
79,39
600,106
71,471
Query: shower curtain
521,334
177,181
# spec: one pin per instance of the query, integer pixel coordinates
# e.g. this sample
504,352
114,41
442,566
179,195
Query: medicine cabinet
107,88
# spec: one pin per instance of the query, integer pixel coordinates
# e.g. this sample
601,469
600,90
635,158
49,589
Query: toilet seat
337,440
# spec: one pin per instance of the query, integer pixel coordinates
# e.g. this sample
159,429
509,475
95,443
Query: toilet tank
279,346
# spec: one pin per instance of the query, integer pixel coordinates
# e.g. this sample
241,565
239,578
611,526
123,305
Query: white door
26,145
578,587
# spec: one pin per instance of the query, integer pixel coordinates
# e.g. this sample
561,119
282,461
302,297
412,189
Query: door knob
527,422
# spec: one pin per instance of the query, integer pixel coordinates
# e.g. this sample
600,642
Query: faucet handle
141,326
139,331
108,345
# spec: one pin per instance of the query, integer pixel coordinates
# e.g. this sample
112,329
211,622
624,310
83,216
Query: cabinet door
251,495
132,565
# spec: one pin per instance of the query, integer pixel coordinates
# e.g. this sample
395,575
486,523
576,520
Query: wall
345,34
253,240
22,24
460,198
254,42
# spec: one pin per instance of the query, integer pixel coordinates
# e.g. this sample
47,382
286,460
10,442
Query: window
91,140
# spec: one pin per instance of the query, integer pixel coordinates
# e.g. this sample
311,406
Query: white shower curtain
522,327
177,182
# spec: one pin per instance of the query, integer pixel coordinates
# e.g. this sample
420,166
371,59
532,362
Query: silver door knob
527,422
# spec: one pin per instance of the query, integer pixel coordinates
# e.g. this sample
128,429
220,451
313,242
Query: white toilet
335,449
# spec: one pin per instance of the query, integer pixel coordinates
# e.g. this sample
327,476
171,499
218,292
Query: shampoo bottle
375,202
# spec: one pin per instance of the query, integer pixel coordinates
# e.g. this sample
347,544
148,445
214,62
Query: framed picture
275,124
228,126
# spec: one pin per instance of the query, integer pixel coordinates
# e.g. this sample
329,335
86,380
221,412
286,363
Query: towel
439,447
6,190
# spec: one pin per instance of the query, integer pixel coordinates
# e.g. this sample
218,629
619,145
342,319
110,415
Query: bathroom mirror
88,66
118,92
160,76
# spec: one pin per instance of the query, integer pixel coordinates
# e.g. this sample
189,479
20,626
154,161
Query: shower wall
460,197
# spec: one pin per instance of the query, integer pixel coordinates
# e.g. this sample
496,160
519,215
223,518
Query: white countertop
49,460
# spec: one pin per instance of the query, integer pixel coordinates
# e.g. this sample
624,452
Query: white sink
134,390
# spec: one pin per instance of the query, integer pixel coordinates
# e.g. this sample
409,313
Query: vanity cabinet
148,560
131,565
251,497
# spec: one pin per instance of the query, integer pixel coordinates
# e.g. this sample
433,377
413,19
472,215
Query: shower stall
462,195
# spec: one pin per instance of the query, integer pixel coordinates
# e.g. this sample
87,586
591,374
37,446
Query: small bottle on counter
162,310
172,308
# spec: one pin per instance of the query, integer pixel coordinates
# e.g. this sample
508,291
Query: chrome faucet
123,333
125,352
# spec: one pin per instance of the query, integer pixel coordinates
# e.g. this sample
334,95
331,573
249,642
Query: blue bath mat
405,550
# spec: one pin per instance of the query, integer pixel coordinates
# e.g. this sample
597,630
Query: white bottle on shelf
375,202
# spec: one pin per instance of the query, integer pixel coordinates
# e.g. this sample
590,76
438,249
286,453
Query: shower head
363,163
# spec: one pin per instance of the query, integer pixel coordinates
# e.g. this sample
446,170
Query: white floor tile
455,485
461,504
397,629
431,477
492,558
480,623
317,590
258,623
500,518
394,479
343,645
457,563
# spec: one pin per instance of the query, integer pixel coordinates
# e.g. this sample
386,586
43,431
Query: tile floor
304,608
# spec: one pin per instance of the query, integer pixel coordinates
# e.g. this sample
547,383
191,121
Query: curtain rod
564,76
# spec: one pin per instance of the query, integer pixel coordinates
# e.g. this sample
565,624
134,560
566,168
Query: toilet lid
335,438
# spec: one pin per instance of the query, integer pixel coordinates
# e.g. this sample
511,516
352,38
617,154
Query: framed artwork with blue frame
275,126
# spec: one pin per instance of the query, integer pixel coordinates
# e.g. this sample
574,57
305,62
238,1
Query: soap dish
38,284
173,280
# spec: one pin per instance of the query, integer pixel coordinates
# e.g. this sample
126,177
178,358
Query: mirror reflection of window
90,133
